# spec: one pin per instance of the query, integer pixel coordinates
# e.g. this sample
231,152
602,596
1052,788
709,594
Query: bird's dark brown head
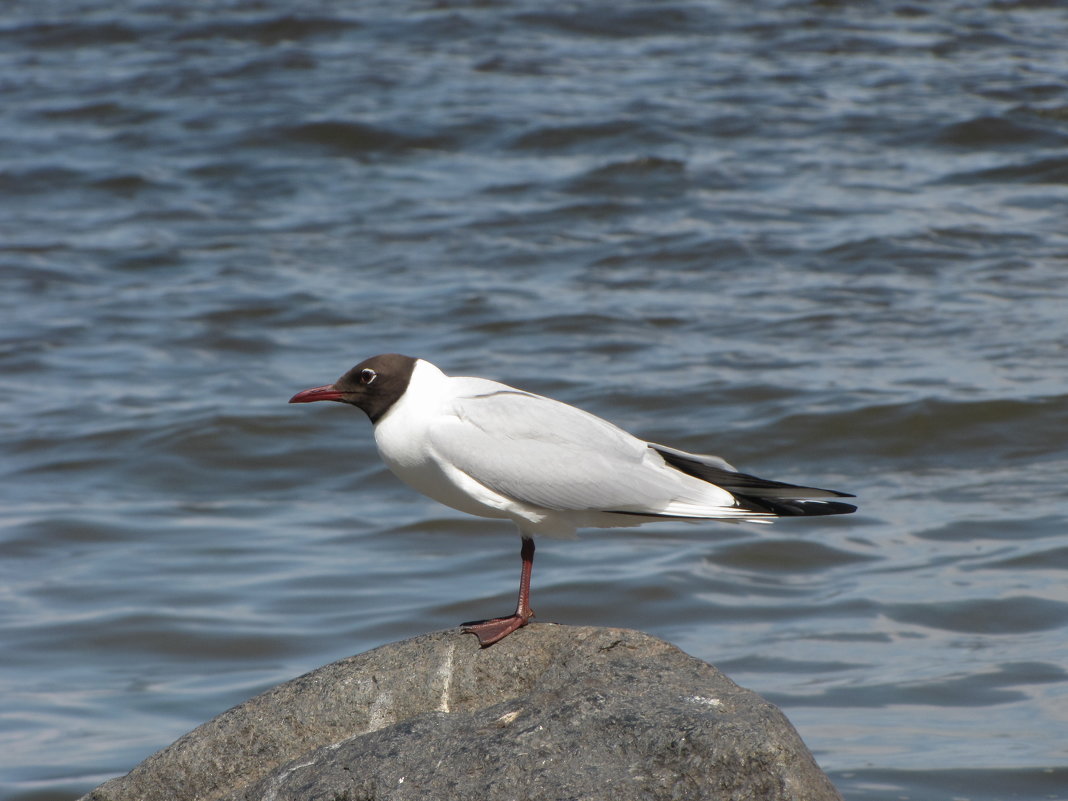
373,385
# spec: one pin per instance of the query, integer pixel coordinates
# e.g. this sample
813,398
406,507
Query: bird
491,450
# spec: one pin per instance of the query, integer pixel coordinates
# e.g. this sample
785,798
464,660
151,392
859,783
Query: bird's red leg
495,630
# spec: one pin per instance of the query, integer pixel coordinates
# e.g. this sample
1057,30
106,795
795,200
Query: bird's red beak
329,392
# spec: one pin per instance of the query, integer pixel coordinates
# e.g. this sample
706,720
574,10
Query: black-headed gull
491,450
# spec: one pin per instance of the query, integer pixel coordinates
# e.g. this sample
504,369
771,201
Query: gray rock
551,712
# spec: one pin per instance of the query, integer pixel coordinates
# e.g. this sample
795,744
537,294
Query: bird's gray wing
547,454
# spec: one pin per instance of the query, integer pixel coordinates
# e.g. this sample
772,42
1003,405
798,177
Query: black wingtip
755,493
792,508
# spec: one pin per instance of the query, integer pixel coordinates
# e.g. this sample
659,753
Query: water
824,240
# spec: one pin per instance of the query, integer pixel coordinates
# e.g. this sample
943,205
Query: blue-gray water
827,241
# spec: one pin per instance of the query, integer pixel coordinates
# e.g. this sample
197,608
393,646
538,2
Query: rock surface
551,712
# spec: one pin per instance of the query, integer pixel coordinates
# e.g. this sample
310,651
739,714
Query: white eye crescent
367,375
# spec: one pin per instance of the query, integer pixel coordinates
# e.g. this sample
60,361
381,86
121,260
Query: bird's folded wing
547,454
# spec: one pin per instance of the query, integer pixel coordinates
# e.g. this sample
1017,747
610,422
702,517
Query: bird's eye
367,375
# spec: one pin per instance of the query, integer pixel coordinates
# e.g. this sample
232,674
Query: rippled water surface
825,240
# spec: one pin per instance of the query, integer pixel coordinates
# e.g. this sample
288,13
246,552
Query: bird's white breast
403,440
